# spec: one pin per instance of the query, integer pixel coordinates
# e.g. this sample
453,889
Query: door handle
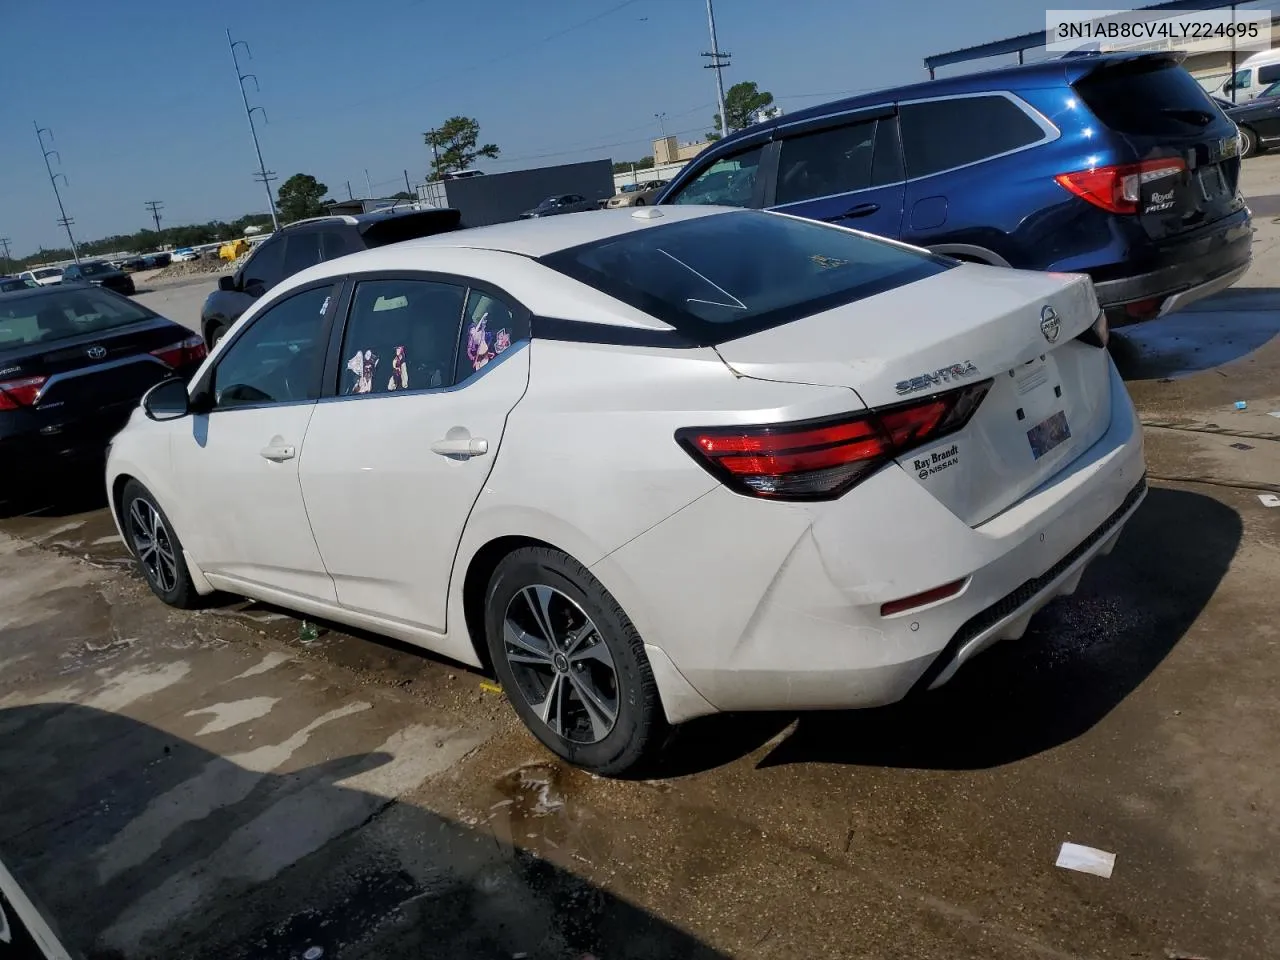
860,210
278,452
464,448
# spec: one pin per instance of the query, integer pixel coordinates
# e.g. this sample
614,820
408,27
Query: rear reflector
1118,189
821,459
187,352
20,393
1144,309
944,592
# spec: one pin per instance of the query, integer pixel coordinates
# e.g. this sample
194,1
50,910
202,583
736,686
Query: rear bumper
1197,269
769,606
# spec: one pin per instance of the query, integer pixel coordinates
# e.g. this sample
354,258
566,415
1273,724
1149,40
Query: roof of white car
544,235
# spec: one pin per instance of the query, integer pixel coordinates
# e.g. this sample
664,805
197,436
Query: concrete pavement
207,784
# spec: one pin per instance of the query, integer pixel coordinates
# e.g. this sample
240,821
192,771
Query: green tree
745,104
624,166
299,197
453,146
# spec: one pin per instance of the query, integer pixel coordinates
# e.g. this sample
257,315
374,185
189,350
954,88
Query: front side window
95,269
264,269
717,277
1241,81
490,328
301,250
730,181
71,273
64,313
828,162
276,359
944,134
401,335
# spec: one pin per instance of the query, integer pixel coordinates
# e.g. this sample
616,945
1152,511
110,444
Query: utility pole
350,195
435,154
4,242
662,126
718,63
264,176
154,206
407,189
368,184
64,221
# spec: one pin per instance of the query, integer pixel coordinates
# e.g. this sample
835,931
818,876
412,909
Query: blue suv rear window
1147,98
940,135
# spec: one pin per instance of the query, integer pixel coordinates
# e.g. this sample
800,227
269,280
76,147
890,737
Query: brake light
822,459
1118,188
189,351
20,393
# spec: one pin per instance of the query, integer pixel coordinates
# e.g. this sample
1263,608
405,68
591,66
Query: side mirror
167,400
227,283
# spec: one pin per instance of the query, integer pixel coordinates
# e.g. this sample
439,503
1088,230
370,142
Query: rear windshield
62,314
727,275
398,227
1147,98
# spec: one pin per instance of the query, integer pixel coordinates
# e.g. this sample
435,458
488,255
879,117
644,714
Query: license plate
1047,434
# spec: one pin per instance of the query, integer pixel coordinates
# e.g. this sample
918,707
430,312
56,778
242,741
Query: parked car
100,274
636,194
183,254
565,203
299,245
1252,77
1114,165
1258,120
74,361
462,175
44,276
12,284
865,463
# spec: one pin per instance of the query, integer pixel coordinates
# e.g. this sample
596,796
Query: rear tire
216,332
639,201
1249,147
571,662
150,537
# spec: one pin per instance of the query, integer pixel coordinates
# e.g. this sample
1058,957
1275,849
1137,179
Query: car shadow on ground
1081,657
139,844
1223,328
63,496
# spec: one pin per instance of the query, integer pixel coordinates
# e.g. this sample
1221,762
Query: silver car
565,203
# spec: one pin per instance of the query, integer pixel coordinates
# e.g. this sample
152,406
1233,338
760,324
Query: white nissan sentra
647,465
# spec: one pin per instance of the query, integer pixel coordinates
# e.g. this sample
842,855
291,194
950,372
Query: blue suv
1115,165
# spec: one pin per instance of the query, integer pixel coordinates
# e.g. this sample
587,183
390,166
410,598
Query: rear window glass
724,276
1147,99
62,314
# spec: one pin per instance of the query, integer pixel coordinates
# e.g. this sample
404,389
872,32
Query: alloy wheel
561,664
152,544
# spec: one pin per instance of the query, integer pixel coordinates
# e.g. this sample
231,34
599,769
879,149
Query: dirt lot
210,785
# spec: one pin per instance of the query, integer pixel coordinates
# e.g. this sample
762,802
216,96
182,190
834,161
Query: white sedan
44,276
647,465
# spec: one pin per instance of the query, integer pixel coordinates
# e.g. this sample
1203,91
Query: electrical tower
155,206
64,220
263,176
719,61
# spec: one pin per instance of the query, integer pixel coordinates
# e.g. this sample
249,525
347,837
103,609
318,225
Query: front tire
571,662
639,201
156,547
1249,146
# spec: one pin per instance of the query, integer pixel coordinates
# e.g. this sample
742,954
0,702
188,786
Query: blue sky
143,104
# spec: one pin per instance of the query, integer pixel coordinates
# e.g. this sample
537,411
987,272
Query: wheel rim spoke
155,551
561,664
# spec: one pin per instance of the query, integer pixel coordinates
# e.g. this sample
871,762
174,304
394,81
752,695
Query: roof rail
344,217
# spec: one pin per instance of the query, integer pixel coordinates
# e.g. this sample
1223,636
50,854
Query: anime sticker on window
482,344
399,371
363,365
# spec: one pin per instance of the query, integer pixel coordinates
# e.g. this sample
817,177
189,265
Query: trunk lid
1050,394
1158,111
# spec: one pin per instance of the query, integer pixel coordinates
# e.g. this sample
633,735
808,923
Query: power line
264,176
64,220
155,206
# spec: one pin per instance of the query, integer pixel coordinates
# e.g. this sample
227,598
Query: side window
301,250
489,329
401,335
71,273
1242,80
942,134
1268,74
335,243
275,360
730,181
264,269
828,162
886,164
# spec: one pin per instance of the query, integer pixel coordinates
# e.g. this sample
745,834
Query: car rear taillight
1118,188
822,459
1098,335
20,393
189,351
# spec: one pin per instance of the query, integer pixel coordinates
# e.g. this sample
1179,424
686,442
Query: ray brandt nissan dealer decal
931,463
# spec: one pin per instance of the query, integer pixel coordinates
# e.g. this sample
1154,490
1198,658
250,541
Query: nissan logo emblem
1049,324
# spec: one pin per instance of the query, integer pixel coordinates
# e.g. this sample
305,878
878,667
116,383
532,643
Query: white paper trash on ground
1269,499
1074,856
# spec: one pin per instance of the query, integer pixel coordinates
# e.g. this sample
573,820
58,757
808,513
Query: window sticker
363,365
399,371
324,306
483,346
